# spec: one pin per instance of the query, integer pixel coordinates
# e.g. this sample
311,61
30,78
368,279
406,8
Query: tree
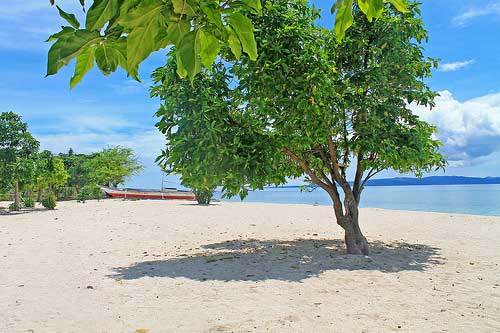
75,164
112,166
50,173
122,33
206,145
194,119
315,107
18,149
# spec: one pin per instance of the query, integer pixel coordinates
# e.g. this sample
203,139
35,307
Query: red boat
132,193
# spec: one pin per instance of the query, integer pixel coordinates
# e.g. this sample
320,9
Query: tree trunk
355,241
40,193
17,204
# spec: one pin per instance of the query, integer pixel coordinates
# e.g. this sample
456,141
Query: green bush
204,195
12,206
66,193
49,201
89,192
29,202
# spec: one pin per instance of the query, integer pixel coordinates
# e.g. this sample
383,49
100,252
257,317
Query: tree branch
329,187
303,164
337,176
371,173
327,162
358,176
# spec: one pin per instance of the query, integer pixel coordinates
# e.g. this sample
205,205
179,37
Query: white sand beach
173,266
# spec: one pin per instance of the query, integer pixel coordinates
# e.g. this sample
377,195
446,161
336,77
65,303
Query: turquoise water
464,199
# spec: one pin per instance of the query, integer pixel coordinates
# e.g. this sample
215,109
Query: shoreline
39,208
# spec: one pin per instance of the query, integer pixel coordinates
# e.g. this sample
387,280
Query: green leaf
68,47
101,12
174,33
400,5
371,8
109,55
188,52
243,27
337,5
145,22
213,15
70,18
254,4
343,19
181,70
209,48
64,31
234,43
84,63
183,7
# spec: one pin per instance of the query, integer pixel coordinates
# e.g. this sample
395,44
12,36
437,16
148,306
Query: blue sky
115,110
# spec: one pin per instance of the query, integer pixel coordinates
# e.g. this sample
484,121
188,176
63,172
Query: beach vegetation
90,192
76,167
51,175
18,150
111,166
26,173
193,118
49,201
311,107
204,195
28,201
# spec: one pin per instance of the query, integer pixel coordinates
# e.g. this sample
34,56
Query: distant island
433,180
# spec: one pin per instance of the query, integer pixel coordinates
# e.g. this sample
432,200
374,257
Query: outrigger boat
133,193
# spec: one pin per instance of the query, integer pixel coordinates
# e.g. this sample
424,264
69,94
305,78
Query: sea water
463,199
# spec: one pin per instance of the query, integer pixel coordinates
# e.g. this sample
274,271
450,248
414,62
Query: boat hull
134,194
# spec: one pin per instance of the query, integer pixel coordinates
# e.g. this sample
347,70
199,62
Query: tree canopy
308,105
18,149
50,172
112,166
123,33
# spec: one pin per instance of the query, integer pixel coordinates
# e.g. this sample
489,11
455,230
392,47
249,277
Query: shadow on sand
4,211
255,260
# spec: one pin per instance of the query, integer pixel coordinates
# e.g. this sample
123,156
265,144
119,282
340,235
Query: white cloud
464,18
129,86
86,131
146,144
470,130
27,7
455,66
26,24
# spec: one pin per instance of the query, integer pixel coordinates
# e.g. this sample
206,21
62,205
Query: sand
172,266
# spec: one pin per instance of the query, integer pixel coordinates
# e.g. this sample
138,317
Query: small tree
193,119
75,164
310,106
18,150
50,173
112,166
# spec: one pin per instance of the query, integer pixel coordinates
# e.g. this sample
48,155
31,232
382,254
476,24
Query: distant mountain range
433,180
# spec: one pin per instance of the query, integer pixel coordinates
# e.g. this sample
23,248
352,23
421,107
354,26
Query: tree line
28,175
